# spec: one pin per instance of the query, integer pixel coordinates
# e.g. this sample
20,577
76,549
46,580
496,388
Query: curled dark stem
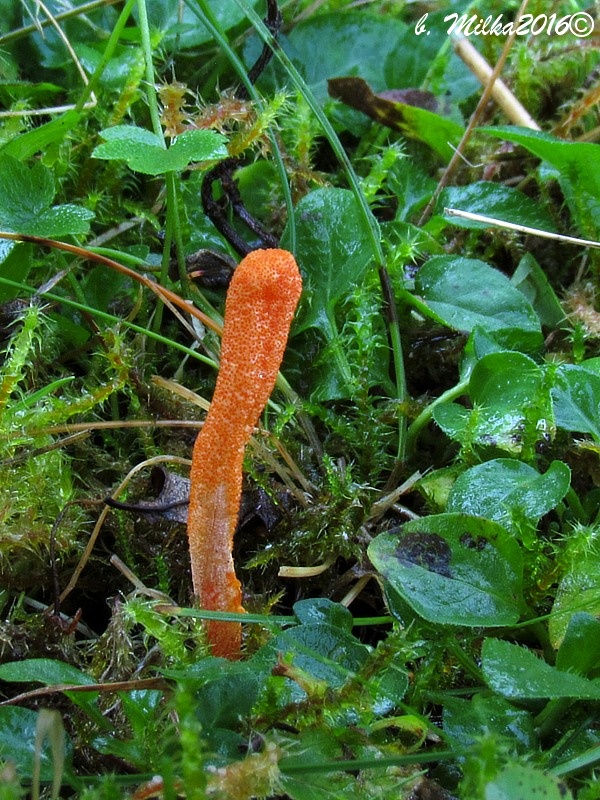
216,209
273,22
154,508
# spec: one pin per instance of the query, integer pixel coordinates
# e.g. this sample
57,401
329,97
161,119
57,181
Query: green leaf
25,198
322,650
531,279
509,491
517,673
576,398
143,151
512,407
466,292
578,170
427,60
180,26
467,721
493,200
453,569
43,670
578,161
18,728
346,44
39,139
54,673
578,590
519,782
15,265
320,609
333,251
580,648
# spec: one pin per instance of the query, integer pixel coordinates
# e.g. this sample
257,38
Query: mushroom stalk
259,309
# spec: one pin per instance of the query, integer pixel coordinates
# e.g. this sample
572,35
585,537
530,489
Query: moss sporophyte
259,308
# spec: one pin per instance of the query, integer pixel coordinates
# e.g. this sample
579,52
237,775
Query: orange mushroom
259,309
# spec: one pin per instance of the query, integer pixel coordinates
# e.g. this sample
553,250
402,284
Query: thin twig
513,226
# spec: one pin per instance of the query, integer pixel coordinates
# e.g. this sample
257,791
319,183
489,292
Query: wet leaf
580,648
509,491
512,407
493,200
333,252
143,151
466,721
453,569
466,292
518,782
515,672
576,397
320,609
578,590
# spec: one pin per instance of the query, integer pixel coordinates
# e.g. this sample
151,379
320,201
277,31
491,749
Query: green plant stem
552,713
578,762
466,663
106,55
338,352
173,231
427,414
367,763
149,65
575,505
336,145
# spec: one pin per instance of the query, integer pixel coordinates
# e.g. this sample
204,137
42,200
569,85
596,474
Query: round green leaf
518,782
453,569
512,407
506,490
346,44
466,292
